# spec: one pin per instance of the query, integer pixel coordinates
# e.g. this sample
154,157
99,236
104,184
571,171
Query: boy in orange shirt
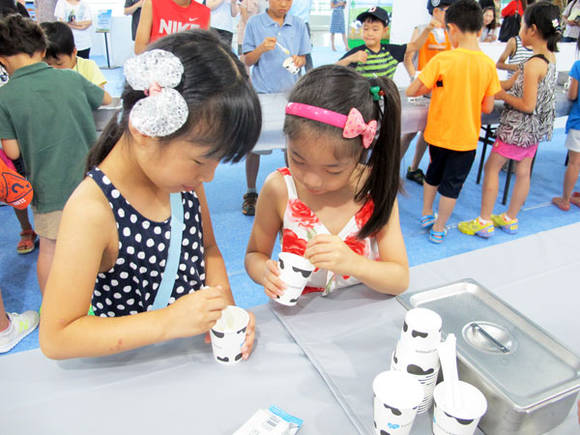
463,83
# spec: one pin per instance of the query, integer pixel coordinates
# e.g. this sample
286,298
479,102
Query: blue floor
18,273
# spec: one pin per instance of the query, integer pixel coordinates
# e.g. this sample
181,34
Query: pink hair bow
356,126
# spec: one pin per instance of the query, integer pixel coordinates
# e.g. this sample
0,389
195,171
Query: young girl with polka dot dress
187,106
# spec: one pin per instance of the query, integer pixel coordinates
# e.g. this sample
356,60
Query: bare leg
490,184
345,41
45,256
332,42
22,216
252,167
446,206
4,322
405,142
419,151
429,193
521,187
571,175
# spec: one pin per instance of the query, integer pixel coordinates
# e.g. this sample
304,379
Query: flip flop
428,220
26,246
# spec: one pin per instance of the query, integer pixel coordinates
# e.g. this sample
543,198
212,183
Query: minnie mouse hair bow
356,126
164,110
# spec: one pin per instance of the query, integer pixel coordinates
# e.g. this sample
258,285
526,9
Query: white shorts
573,140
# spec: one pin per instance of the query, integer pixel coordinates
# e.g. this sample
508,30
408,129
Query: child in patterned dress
187,105
336,203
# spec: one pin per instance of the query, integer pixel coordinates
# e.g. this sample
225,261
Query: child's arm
144,28
506,85
417,88
252,57
267,223
11,148
130,10
418,39
88,234
488,104
533,71
509,50
389,275
215,267
359,56
573,89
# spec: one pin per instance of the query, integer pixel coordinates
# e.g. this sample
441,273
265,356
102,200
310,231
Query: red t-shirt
169,18
513,7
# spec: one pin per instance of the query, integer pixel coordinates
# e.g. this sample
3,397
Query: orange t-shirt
169,17
432,46
460,79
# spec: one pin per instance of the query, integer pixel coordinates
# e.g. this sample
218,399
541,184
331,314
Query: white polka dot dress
131,285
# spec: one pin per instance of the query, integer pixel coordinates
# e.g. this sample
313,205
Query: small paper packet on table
272,421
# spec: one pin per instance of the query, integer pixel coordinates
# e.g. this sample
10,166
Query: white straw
284,49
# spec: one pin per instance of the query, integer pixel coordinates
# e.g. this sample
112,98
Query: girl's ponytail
382,183
546,17
105,143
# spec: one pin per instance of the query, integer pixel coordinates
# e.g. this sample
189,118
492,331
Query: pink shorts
514,152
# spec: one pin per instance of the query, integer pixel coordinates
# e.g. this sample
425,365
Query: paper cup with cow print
423,366
463,418
294,271
229,334
396,398
422,329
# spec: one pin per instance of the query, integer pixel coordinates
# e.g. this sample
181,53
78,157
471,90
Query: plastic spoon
448,357
284,49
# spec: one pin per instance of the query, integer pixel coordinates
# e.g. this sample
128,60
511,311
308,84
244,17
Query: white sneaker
20,326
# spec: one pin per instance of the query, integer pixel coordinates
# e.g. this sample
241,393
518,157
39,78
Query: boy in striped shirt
374,59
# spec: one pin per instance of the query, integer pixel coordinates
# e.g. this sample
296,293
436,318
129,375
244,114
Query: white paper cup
229,334
464,418
422,329
423,366
396,398
290,66
295,272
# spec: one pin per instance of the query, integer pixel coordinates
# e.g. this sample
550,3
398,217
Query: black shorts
448,169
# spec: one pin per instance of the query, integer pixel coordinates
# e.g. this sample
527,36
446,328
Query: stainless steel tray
529,379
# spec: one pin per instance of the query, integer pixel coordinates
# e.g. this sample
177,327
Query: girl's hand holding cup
299,61
273,286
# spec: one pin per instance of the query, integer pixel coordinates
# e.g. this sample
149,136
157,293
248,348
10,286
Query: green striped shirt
383,63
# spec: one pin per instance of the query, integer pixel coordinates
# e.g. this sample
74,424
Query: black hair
372,19
20,35
493,23
466,15
339,89
224,110
543,14
60,39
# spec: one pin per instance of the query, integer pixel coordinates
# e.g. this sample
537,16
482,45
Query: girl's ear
136,136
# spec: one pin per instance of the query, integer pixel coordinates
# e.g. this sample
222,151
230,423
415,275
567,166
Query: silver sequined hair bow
164,110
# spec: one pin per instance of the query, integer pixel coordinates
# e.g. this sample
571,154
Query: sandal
428,220
561,203
437,236
575,199
27,242
249,204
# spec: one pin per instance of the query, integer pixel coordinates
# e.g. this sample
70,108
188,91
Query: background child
490,29
437,42
45,116
164,17
527,118
463,82
337,22
572,143
77,15
338,212
515,53
117,224
374,59
270,38
61,53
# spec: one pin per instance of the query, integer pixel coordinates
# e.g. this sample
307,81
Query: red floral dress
301,224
